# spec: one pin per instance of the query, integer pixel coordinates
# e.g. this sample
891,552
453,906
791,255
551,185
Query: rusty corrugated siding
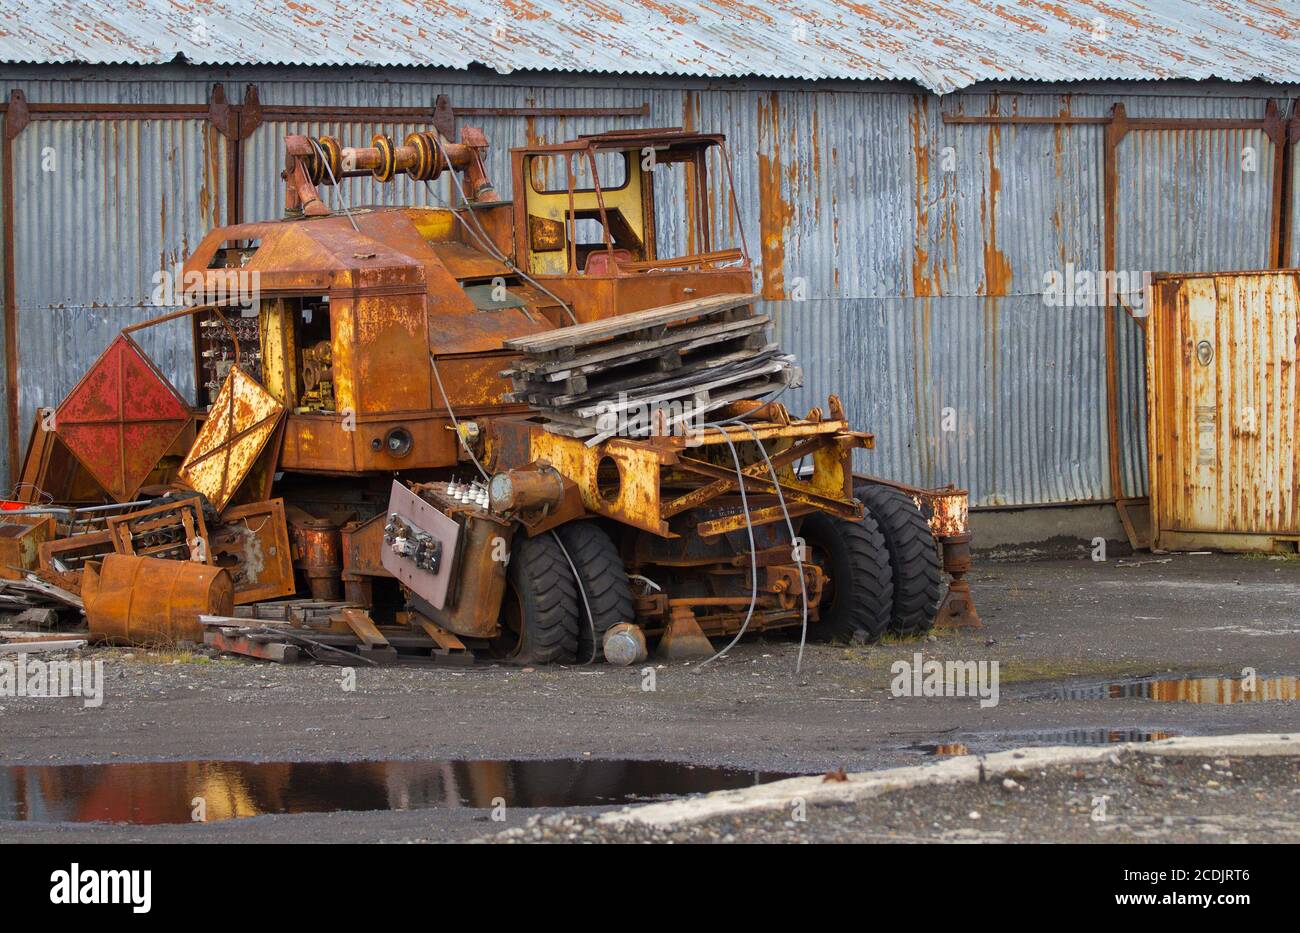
1184,195
942,47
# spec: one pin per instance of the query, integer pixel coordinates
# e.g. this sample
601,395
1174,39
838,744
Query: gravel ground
1046,623
1148,799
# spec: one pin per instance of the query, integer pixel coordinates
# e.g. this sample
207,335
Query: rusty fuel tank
144,601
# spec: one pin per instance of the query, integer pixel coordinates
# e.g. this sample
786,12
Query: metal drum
143,600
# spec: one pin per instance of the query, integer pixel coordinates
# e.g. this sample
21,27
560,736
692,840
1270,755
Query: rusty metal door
1222,353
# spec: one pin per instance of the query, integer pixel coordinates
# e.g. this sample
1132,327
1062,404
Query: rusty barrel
143,600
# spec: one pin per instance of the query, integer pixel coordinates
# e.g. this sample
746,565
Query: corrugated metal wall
100,207
904,257
1192,200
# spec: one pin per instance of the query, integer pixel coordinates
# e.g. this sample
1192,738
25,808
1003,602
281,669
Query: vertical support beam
1286,198
1276,130
16,118
1116,129
248,119
444,117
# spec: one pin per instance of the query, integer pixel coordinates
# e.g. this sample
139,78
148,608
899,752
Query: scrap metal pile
191,550
540,430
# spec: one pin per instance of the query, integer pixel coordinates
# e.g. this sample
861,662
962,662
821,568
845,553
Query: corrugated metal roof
942,45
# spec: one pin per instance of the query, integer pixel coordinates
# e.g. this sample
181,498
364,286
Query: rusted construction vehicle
539,428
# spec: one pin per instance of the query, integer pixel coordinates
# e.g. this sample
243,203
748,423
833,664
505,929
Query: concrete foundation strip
780,795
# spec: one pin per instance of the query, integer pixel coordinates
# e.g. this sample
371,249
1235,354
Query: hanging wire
347,208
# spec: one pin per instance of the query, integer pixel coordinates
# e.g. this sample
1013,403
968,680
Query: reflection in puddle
1215,690
945,749
174,792
985,742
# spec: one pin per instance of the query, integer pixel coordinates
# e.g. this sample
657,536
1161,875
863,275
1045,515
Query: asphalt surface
1047,623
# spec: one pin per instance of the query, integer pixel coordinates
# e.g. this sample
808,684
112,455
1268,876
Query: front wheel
913,557
604,582
858,595
539,612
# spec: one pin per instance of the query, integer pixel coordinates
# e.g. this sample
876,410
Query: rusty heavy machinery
537,428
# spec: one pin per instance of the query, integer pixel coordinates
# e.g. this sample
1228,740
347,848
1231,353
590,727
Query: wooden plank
26,635
716,400
36,647
565,395
440,636
595,360
373,643
656,397
686,377
580,334
654,362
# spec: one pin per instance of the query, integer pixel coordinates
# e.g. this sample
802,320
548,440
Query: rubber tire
913,557
855,551
548,598
603,579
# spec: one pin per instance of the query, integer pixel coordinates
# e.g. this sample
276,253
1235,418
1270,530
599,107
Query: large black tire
604,581
913,557
539,614
853,554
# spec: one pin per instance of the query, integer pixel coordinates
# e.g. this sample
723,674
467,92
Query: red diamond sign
122,418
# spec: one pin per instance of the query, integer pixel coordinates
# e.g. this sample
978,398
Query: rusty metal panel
243,418
941,47
408,514
1224,408
104,207
252,543
1188,203
121,419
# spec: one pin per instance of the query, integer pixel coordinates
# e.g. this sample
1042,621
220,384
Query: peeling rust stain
775,214
997,269
921,283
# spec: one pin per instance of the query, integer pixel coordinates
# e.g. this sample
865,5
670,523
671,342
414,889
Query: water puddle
986,742
944,749
1212,690
175,792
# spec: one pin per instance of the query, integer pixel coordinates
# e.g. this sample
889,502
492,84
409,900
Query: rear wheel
855,602
913,557
539,613
604,582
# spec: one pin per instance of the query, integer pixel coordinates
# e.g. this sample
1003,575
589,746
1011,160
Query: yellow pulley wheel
387,166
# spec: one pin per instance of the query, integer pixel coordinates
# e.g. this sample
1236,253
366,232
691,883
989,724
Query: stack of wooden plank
649,372
32,602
